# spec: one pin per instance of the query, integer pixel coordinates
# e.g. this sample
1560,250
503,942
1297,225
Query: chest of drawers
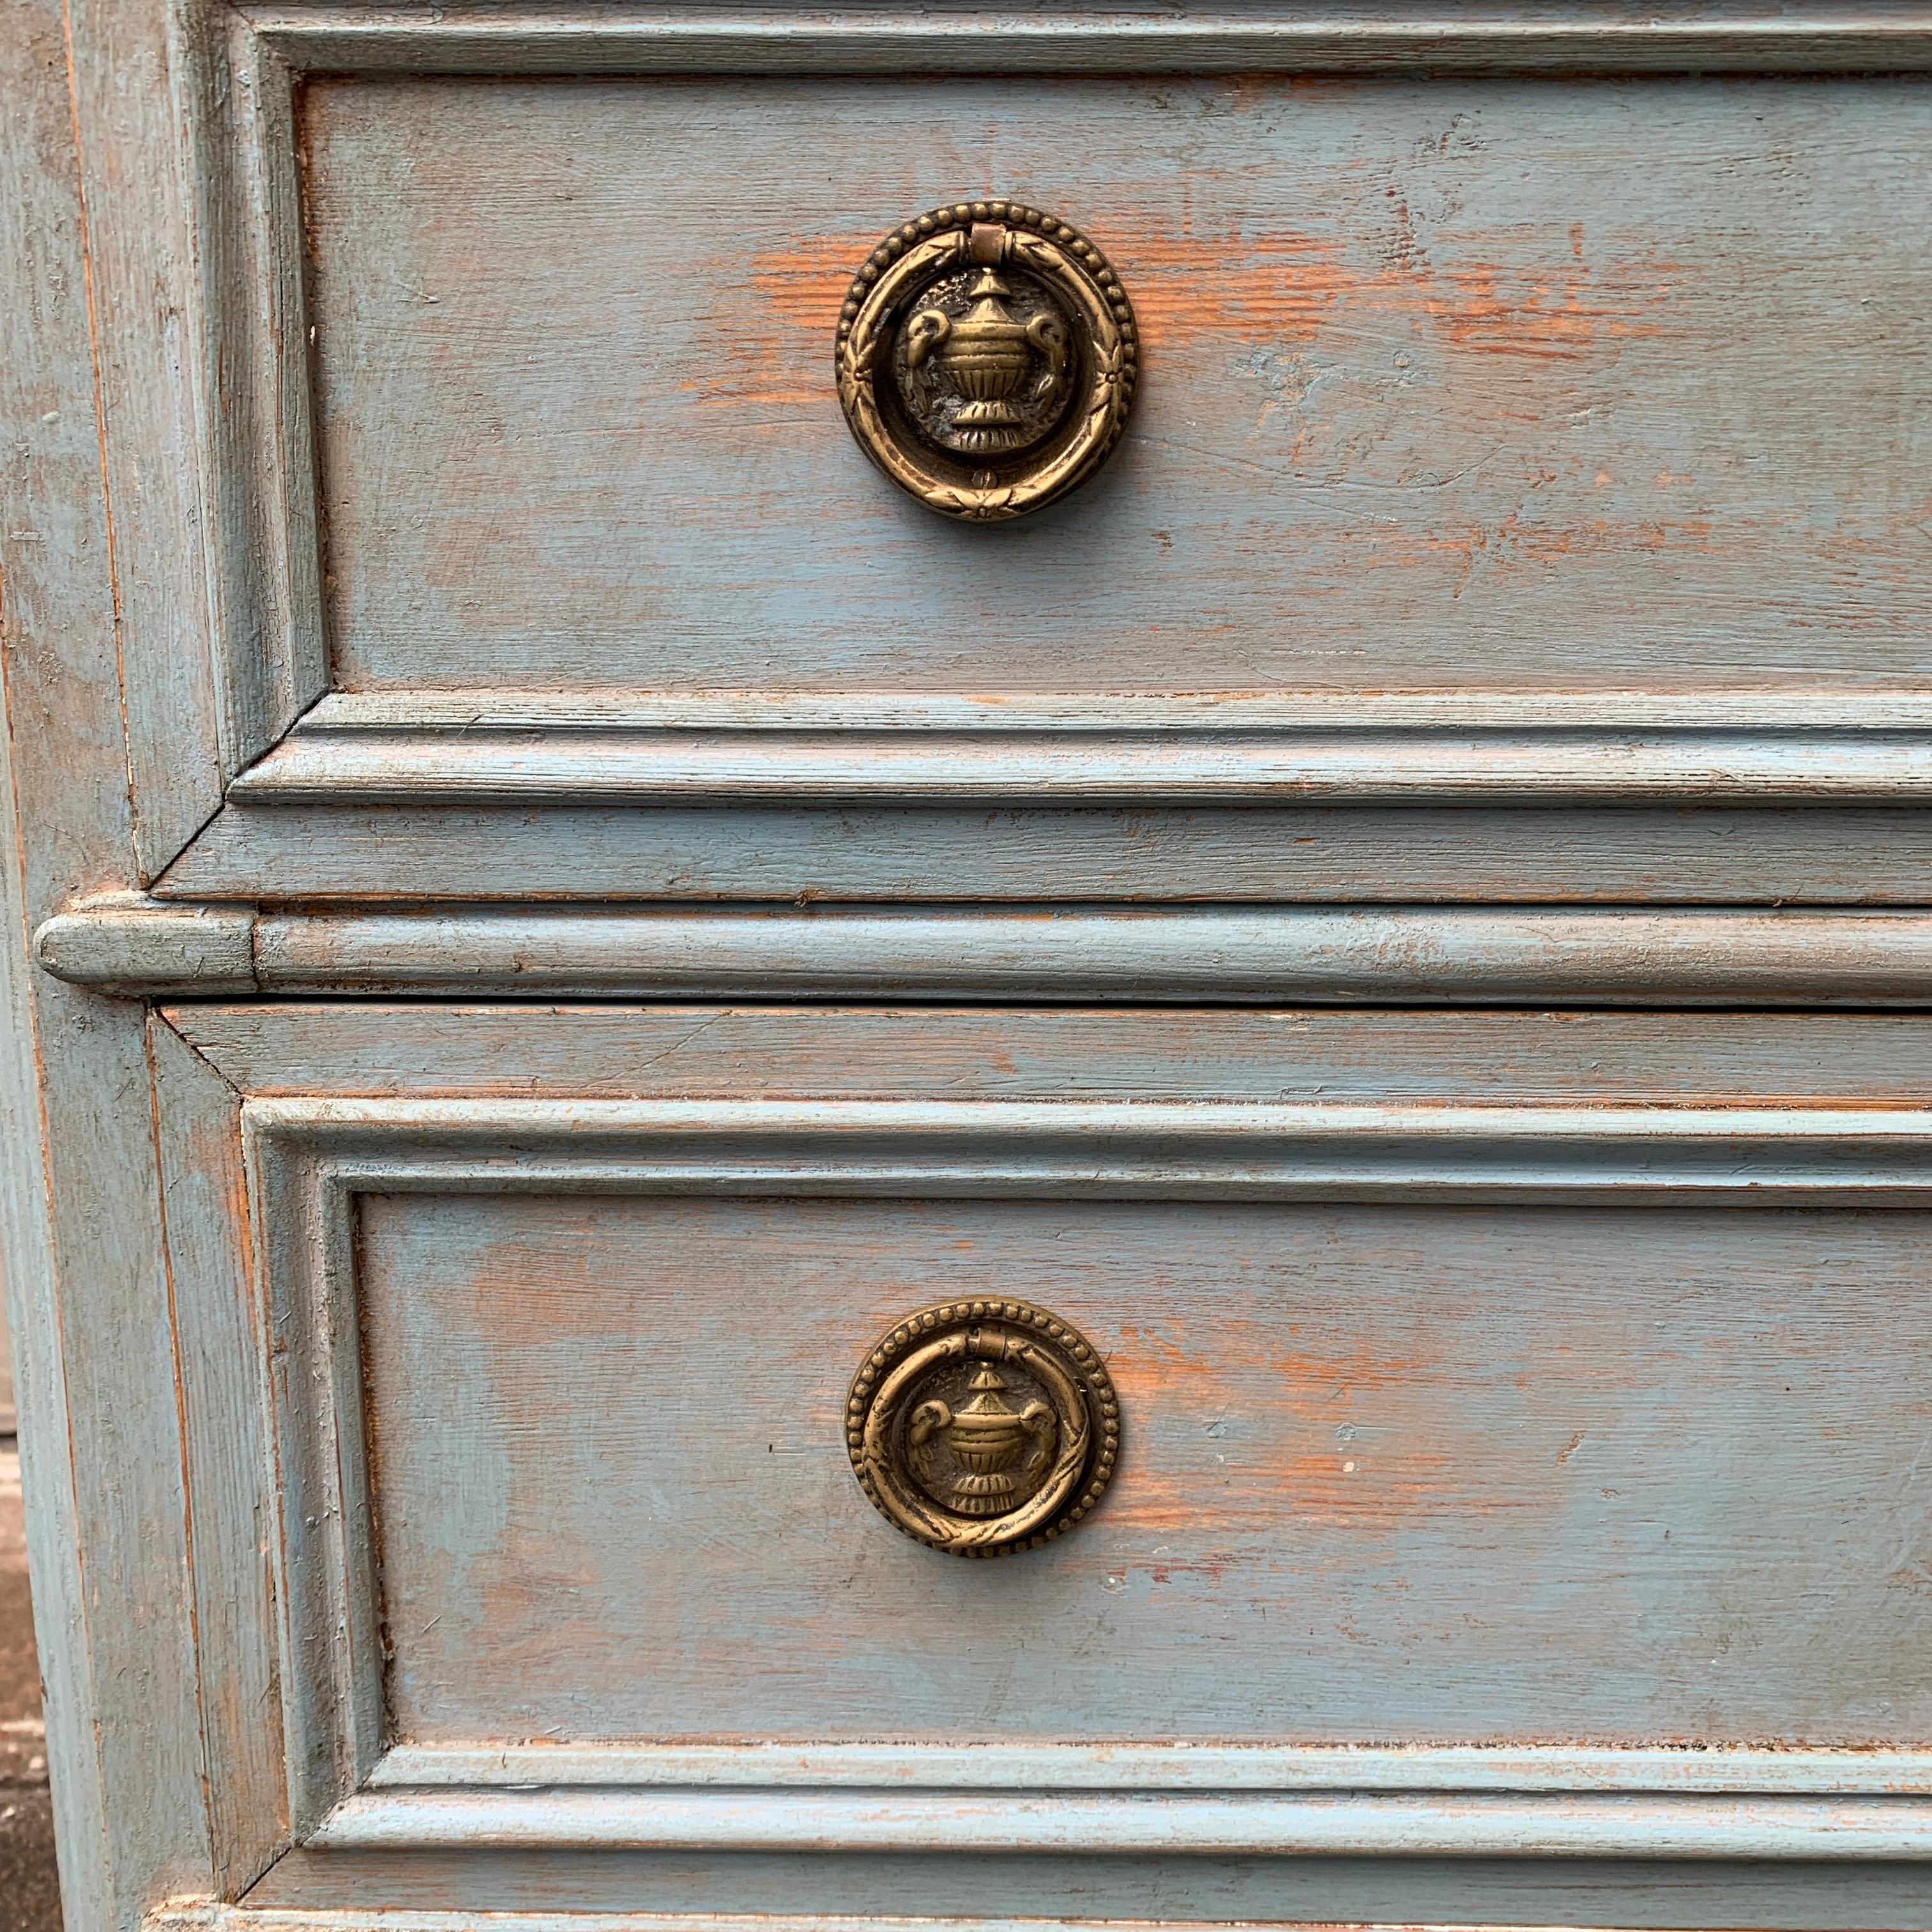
971,966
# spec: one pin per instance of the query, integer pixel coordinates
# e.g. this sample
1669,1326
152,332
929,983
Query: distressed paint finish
307,1149
1225,956
88,1278
1463,386
9,1420
1002,1895
1398,1891
1092,36
162,611
1680,1435
523,851
455,1051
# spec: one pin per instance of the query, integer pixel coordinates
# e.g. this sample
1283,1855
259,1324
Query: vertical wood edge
235,109
27,1280
331,1661
219,1354
101,1444
141,271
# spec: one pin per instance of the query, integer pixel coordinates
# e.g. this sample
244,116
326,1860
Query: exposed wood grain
528,850
1444,388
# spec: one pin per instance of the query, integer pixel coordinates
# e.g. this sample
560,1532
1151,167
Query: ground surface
29,1892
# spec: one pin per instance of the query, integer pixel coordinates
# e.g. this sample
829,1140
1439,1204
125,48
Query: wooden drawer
1515,1505
1524,495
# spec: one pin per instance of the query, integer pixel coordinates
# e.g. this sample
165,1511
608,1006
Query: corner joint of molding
134,948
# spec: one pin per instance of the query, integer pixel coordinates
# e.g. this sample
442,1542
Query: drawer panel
1523,500
1413,1473
1517,1499
1479,385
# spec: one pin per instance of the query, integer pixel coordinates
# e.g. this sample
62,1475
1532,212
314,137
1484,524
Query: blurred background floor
29,1892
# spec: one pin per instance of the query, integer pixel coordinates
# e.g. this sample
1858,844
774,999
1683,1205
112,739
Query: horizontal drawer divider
1248,956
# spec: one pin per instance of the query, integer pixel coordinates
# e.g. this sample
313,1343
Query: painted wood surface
350,1048
1223,956
1090,1823
1687,1443
1398,1892
559,1768
143,291
1015,760
161,625
1094,36
1445,387
527,850
467,1849
88,1275
9,1416
219,1348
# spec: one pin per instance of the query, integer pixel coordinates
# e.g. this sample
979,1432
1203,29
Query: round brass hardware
987,357
983,1427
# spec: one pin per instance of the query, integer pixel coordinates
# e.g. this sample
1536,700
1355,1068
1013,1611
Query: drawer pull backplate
987,356
981,1427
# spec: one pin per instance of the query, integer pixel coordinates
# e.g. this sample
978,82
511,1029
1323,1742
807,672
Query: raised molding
249,376
308,1157
1439,748
204,1916
578,39
124,943
151,949
1118,1766
1336,1824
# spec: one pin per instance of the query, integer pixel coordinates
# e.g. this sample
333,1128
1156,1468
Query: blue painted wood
1633,1474
1492,388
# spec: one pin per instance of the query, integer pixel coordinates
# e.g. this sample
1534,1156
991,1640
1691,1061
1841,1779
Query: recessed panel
1396,1474
1471,384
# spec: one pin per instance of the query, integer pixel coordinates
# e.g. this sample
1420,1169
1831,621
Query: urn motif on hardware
984,1426
987,357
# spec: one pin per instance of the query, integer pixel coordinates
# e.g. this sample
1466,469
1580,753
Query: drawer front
1540,434
1418,1473
1519,1419
1443,385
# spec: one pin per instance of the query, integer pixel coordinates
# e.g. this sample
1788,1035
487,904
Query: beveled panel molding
350,1789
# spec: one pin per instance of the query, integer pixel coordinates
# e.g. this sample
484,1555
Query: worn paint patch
1197,293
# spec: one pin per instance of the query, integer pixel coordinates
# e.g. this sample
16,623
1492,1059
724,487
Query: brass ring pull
987,358
983,1427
